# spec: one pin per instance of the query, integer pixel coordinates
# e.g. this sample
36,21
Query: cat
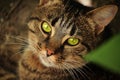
60,33
59,37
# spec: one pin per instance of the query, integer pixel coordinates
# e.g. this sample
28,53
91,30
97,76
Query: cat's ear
103,16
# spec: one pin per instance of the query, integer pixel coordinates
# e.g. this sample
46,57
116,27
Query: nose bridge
54,43
56,40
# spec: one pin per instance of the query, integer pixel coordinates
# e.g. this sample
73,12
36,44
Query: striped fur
23,47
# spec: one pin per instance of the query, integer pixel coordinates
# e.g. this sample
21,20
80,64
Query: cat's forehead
60,19
63,20
50,11
64,24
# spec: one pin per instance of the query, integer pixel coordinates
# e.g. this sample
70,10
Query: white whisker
83,74
89,69
71,73
73,64
19,52
19,39
72,68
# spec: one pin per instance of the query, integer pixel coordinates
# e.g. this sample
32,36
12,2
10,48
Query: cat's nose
49,52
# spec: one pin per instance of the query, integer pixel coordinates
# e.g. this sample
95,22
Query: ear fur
103,16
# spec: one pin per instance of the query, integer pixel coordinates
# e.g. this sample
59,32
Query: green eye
73,41
46,27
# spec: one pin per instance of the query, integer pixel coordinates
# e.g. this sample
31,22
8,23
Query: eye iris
73,41
46,27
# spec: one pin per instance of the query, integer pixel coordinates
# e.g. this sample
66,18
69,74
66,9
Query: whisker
19,52
82,73
19,44
73,70
77,64
71,73
60,67
64,70
87,67
20,39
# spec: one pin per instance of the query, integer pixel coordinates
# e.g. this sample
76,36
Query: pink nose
49,52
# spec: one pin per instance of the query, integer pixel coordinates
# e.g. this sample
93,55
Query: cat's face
57,43
60,39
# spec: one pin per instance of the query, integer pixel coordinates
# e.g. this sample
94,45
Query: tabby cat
58,39
60,34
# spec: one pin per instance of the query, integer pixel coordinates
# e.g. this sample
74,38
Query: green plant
107,55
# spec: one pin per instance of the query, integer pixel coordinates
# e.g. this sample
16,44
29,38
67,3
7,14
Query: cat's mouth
45,60
52,61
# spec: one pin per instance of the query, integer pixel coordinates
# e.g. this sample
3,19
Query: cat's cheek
82,50
75,61
32,37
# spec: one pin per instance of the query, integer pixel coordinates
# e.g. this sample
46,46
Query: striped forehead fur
66,23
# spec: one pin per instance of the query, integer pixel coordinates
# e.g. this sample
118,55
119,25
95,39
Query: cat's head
60,38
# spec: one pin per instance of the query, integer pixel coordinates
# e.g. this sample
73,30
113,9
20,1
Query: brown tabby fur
12,29
30,67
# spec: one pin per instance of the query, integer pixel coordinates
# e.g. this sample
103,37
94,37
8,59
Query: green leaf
107,55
